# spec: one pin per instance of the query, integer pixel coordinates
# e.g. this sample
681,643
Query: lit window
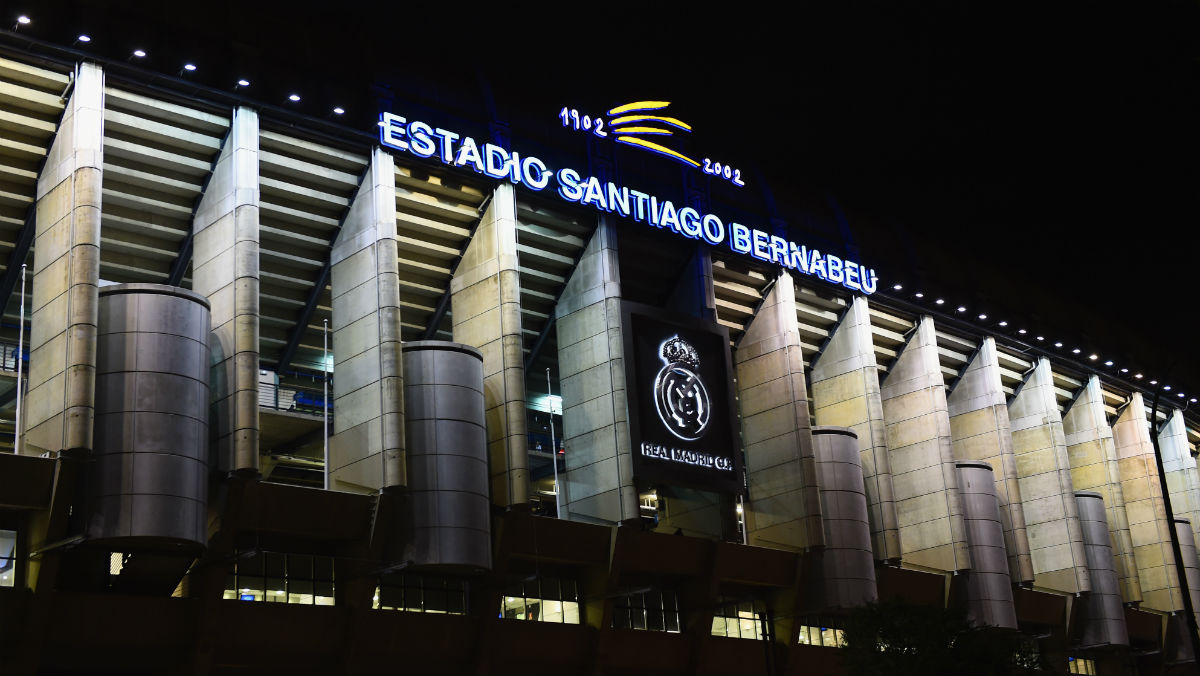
829,637
282,578
739,620
650,610
546,599
421,594
1079,665
8,558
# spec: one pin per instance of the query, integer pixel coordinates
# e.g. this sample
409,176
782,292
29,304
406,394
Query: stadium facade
583,415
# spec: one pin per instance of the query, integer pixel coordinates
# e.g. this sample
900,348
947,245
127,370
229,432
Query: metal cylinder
989,589
847,564
446,438
148,480
1103,613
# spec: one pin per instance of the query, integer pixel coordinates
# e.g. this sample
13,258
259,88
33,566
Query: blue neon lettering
714,230
869,281
593,194
799,258
391,129
654,211
689,222
639,205
538,179
851,272
779,250
833,267
669,217
739,238
421,143
618,199
761,246
513,167
568,185
468,153
495,158
446,140
816,264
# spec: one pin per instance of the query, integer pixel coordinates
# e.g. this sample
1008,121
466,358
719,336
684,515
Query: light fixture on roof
294,98
21,21
241,83
1124,370
83,37
338,110
919,294
1003,324
939,301
1138,376
138,54
1093,357
982,317
1153,382
1076,351
1193,400
897,287
187,68
1180,395
1021,331
1058,345
1167,388
1041,337
1108,363
962,308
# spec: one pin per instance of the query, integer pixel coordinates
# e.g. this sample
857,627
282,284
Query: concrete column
784,510
1183,481
1051,514
366,452
225,270
979,430
1093,457
485,303
928,507
591,363
845,384
1149,530
66,273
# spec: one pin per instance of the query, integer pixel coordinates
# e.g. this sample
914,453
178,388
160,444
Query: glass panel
251,566
435,600
276,589
570,612
323,568
672,621
827,637
718,628
749,624
513,608
637,618
456,601
569,591
804,637
552,611
620,617
550,589
274,563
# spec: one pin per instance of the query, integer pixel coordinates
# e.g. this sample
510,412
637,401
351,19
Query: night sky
1037,164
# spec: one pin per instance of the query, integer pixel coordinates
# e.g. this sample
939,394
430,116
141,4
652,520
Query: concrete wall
225,269
366,452
1093,458
66,271
1183,481
485,304
599,471
928,508
980,431
1051,514
1149,530
784,510
845,393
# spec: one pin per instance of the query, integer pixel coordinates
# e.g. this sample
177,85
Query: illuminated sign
641,124
680,400
456,150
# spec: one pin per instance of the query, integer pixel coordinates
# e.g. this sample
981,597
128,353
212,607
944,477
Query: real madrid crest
679,394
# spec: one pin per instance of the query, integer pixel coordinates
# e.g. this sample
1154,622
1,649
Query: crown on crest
678,350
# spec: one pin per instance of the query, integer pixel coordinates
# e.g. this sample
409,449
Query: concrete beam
226,271
485,298
66,272
1094,467
846,393
367,451
784,510
1183,480
929,509
980,430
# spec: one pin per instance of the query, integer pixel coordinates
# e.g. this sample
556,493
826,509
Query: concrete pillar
225,270
979,430
1093,457
485,304
366,452
928,507
1183,481
599,469
1149,531
1051,514
784,510
845,384
66,273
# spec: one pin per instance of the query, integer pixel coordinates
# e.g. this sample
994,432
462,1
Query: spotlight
21,21
1153,382
1138,376
339,110
187,68
919,294
1058,345
983,316
241,83
1041,337
1167,388
1193,400
897,287
1180,395
1003,324
939,301
82,38
294,98
1124,370
1093,357
1021,331
138,53
1075,351
1108,363
962,308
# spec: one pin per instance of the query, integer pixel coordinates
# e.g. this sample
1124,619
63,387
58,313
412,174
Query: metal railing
8,357
296,398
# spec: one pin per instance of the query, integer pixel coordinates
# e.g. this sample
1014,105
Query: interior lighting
294,98
1193,400
187,68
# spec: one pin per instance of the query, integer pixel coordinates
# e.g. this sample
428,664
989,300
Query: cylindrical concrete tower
989,589
446,438
847,564
148,481
1104,616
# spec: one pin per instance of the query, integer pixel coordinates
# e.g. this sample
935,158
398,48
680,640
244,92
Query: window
739,620
1079,665
275,577
547,599
8,558
421,594
649,610
829,637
